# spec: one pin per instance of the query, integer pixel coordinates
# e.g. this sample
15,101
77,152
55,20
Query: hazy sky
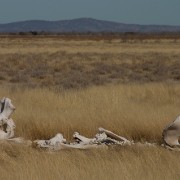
126,11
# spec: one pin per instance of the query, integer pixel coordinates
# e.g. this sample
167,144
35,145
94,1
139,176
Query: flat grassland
60,85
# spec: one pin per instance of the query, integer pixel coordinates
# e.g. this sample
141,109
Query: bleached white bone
83,139
104,136
7,125
101,140
113,135
101,137
53,143
9,131
6,109
59,143
171,133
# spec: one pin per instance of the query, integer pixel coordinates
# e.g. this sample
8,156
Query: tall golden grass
138,112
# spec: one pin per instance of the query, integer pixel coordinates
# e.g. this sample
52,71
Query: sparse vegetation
62,64
64,86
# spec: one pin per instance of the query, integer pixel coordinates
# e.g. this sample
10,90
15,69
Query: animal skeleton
57,143
101,140
102,137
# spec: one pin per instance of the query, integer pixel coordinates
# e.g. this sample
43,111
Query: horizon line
71,19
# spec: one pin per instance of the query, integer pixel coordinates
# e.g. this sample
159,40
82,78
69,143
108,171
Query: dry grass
107,86
60,64
135,111
138,112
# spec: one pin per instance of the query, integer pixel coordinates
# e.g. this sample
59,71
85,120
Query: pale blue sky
125,11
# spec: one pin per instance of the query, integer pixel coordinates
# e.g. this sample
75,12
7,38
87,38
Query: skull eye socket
2,107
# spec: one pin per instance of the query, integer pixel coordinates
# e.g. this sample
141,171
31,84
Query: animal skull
171,133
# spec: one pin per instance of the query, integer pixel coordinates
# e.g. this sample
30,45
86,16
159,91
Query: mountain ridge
82,25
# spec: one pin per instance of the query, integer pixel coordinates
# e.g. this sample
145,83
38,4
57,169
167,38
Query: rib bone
114,136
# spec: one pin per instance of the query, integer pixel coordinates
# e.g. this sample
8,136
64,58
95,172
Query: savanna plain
60,84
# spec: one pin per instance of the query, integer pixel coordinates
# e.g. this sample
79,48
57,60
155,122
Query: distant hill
83,25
